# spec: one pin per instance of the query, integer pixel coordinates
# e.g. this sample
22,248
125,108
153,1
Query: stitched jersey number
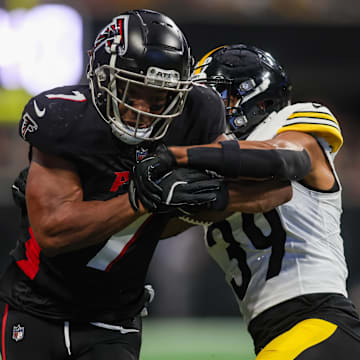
276,239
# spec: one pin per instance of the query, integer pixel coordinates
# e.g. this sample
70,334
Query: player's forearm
79,224
258,196
237,158
181,152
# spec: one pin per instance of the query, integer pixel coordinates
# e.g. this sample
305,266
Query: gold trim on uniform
202,60
312,114
300,337
330,133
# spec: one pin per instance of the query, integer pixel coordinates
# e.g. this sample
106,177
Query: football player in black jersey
285,265
75,287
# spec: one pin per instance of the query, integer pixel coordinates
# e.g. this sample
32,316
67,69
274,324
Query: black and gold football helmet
250,81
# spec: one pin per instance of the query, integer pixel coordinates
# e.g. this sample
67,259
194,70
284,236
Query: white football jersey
295,249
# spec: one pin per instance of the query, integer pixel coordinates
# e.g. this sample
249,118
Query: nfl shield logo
140,154
18,332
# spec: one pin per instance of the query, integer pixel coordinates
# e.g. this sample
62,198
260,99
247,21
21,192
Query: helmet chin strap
238,118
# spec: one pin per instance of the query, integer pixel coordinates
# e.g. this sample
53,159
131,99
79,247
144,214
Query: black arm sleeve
231,161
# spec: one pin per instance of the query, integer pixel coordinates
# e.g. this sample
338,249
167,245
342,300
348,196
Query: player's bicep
294,140
51,182
321,175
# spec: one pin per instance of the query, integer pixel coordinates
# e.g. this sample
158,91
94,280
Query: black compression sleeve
231,161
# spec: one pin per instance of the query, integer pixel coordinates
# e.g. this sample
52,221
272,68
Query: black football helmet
253,76
139,48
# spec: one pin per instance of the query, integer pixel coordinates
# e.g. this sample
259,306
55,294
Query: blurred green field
196,338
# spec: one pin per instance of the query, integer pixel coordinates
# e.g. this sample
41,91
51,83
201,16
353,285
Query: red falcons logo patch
118,26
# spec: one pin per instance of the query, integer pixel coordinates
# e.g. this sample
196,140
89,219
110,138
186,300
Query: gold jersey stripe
302,336
330,133
311,114
201,62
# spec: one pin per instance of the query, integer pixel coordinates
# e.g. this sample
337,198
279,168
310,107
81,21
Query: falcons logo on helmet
118,26
28,125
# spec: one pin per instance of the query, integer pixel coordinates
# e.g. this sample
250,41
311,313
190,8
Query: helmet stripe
120,24
201,62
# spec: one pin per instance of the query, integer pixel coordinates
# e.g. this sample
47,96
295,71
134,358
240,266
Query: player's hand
182,187
145,173
218,204
157,164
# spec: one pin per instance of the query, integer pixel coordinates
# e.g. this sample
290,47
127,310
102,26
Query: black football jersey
104,282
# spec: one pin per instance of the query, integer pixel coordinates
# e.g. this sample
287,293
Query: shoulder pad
315,119
50,117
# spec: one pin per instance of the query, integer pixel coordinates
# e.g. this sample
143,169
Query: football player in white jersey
286,266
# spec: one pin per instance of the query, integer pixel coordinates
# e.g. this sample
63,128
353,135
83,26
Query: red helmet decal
118,27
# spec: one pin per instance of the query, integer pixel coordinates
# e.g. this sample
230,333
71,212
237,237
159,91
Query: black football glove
218,204
158,163
182,187
146,172
18,188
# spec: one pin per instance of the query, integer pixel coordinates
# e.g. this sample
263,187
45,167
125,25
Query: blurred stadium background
44,44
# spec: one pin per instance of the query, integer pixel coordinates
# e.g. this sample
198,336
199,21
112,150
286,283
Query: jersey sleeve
41,126
48,121
315,119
